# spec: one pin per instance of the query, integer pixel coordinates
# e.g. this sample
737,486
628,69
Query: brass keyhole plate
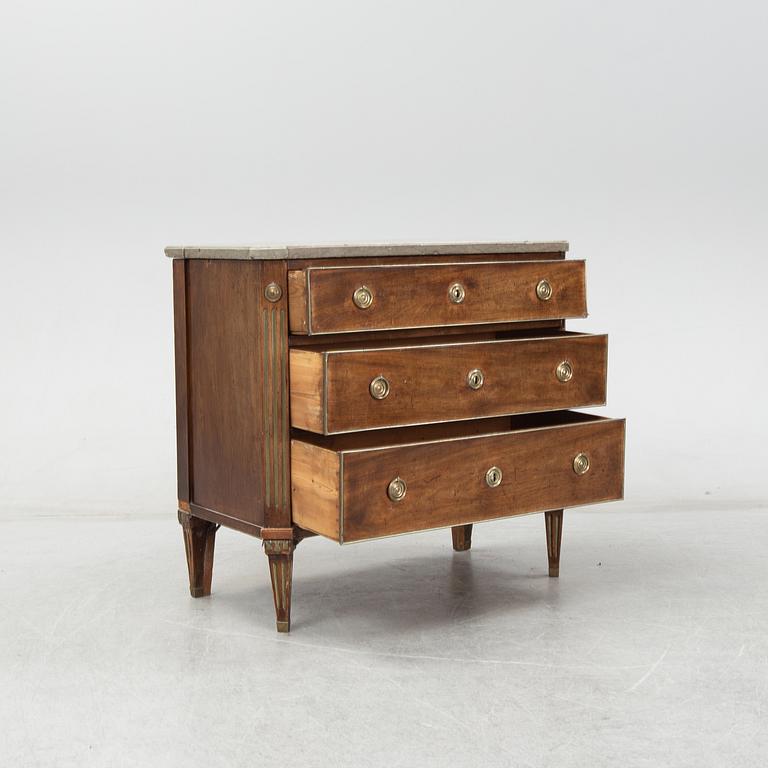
475,378
493,477
457,293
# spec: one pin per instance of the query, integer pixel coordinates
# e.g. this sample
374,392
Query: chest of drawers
356,392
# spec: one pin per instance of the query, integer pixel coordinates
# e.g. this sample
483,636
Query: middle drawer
344,389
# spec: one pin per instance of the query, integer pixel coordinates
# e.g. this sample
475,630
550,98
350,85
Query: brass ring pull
379,388
564,371
475,378
363,297
581,463
457,293
397,489
544,290
493,477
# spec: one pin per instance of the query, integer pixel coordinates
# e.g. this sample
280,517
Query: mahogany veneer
365,391
428,382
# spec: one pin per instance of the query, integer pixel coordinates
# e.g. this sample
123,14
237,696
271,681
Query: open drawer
343,388
371,484
399,296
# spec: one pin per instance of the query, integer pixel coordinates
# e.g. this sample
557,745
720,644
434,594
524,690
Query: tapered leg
199,540
462,537
554,523
280,554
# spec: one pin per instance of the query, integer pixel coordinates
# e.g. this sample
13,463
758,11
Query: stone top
267,252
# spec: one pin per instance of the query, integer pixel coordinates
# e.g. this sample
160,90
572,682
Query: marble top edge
331,251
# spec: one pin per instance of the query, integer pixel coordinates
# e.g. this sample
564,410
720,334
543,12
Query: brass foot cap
283,626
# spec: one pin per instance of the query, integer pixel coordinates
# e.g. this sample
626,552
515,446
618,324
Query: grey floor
650,650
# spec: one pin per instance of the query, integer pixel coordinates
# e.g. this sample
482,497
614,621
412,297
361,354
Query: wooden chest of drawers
364,391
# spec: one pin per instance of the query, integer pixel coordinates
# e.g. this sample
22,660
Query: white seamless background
635,130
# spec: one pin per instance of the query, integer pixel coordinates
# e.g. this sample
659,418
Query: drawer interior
341,484
427,381
345,344
398,436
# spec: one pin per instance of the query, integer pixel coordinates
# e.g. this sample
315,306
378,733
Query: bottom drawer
366,485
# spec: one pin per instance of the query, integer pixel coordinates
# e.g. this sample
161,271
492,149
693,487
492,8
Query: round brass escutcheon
363,297
273,292
475,378
564,371
544,290
493,477
379,388
581,463
397,489
457,293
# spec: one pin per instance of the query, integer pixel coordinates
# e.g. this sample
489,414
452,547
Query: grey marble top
361,249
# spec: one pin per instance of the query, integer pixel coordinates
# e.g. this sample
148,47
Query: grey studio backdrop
636,131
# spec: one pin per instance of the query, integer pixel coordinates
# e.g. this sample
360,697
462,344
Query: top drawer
360,298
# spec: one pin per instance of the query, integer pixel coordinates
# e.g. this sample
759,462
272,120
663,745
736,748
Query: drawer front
342,299
346,390
346,494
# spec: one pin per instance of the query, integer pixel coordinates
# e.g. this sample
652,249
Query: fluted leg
280,554
199,541
462,537
554,524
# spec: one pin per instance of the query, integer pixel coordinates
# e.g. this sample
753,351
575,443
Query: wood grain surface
428,383
225,402
274,390
180,321
315,488
414,296
446,479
